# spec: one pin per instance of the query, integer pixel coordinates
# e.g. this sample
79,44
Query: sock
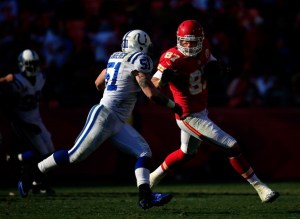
27,155
142,172
58,158
159,171
172,160
241,165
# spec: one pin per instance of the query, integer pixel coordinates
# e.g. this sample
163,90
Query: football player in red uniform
185,69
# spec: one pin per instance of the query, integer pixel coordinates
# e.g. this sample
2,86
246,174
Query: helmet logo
139,39
125,40
124,44
135,40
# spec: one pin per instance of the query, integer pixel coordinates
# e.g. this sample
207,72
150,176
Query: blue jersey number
145,64
111,84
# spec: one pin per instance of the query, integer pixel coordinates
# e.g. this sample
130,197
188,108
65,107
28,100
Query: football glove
178,110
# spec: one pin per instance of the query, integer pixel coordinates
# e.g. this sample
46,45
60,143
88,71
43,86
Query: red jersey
189,91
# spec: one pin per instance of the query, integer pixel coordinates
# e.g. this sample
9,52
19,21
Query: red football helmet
191,31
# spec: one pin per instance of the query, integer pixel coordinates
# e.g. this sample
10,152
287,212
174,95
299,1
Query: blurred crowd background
259,39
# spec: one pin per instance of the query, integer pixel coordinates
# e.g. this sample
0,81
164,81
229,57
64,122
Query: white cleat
265,193
154,180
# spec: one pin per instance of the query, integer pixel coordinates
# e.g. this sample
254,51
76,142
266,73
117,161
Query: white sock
253,180
158,172
20,157
47,164
142,176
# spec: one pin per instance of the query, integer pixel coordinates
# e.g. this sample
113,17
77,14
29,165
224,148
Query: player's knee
188,150
144,153
233,151
76,158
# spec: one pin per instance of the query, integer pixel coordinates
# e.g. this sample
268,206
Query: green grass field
201,200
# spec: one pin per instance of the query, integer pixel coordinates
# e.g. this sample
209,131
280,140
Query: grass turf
197,200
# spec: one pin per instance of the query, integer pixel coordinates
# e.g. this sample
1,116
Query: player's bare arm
163,76
154,94
156,82
6,79
148,88
100,81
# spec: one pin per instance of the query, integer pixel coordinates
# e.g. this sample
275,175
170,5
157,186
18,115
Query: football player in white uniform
127,73
22,91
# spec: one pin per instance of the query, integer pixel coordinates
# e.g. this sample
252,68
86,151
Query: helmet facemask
190,51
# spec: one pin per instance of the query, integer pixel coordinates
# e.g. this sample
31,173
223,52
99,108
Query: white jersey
25,114
26,97
121,89
107,120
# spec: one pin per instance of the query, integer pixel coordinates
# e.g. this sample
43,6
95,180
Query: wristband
171,104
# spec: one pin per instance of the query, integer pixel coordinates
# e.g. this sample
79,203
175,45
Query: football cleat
23,189
27,176
265,193
25,182
156,199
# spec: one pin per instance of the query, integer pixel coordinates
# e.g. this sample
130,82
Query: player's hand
168,75
178,110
